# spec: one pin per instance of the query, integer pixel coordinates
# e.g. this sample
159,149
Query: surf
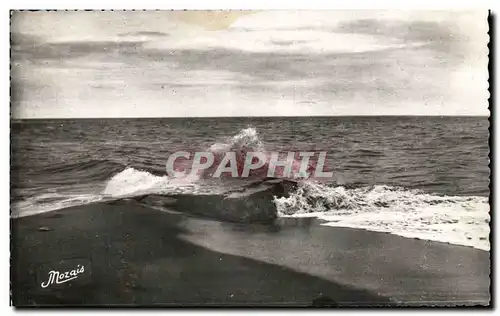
461,220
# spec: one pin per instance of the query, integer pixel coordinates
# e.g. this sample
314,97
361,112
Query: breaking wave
248,141
462,220
131,182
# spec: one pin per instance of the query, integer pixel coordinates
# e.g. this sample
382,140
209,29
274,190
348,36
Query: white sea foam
461,220
127,183
132,182
247,138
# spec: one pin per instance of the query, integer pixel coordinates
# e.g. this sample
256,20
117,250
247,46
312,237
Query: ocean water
423,177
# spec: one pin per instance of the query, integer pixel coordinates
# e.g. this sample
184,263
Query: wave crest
132,182
248,141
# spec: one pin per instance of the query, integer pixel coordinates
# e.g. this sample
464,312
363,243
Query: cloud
358,65
17,38
289,43
144,33
33,49
376,76
407,30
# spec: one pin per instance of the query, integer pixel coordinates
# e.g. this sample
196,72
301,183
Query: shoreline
323,221
139,255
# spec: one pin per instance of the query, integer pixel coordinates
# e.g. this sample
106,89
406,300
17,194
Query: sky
75,64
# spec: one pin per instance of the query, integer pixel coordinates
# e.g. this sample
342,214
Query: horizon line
255,116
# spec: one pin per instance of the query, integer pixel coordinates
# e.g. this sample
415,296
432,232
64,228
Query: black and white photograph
250,158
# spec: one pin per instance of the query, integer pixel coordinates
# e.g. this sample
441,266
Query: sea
416,177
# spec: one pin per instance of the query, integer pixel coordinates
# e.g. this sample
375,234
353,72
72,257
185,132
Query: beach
143,256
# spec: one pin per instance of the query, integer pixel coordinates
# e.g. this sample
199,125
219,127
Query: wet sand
135,255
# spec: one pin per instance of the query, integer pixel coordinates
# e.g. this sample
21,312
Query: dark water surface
446,155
